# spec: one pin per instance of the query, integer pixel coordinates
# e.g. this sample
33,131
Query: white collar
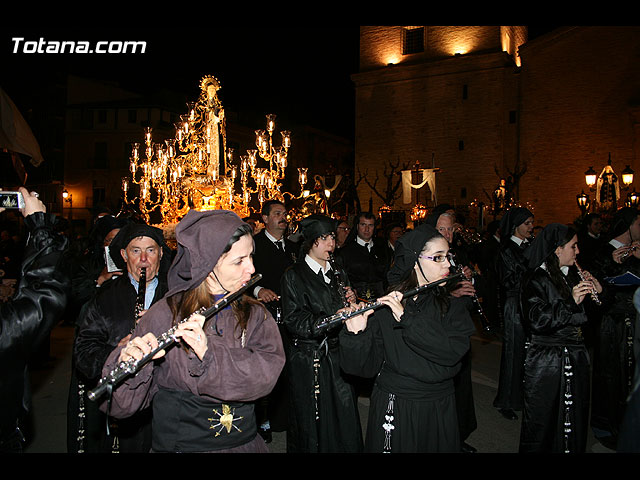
271,237
518,241
362,242
616,243
564,269
315,266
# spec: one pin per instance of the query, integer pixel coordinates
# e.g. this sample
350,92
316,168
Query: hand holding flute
588,285
393,300
191,332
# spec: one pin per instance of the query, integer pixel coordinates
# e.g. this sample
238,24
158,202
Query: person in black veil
613,358
414,349
555,415
515,230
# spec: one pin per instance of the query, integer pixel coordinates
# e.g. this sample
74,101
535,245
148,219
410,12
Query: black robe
307,299
511,266
555,417
415,362
613,355
103,322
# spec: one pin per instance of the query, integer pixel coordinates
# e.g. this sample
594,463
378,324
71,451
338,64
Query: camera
11,200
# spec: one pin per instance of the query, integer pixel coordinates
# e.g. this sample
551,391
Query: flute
342,316
583,277
167,339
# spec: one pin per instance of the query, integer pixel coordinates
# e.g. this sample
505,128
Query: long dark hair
183,304
558,279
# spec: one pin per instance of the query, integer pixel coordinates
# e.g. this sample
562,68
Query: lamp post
583,202
68,197
606,188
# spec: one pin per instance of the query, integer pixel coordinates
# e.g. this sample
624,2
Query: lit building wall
455,112
580,97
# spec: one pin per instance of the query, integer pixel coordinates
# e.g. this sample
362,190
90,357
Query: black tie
279,245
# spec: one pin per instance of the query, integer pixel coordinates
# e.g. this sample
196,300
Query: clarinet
484,321
338,275
583,277
142,291
167,339
342,316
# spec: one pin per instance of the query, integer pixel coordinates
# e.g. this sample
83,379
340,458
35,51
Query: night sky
303,75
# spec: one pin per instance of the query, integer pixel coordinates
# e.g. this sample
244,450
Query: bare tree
393,176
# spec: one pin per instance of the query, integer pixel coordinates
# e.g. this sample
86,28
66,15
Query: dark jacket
307,299
105,321
367,270
28,318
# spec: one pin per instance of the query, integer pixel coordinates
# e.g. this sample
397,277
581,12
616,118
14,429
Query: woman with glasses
414,349
323,414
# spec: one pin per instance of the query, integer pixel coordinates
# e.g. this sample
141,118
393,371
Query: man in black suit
365,259
274,253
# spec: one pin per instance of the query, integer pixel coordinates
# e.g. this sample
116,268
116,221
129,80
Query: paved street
51,383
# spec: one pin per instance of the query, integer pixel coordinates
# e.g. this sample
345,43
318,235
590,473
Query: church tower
436,97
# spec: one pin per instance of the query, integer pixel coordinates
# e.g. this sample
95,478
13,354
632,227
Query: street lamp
68,198
583,202
627,176
590,177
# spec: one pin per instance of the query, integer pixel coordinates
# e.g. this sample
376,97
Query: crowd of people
321,312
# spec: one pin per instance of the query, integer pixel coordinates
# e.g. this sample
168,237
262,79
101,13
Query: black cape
415,362
306,299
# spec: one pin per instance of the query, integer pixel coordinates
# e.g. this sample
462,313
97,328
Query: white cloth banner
428,177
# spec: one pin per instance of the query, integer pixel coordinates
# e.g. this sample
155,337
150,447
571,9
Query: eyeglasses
437,258
344,228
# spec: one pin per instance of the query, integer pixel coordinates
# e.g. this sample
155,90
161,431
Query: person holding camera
27,319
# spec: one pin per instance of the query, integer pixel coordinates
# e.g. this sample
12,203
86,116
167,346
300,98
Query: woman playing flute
202,393
414,349
555,416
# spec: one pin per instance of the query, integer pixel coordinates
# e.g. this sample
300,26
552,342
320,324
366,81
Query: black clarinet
338,274
140,299
167,339
342,316
484,321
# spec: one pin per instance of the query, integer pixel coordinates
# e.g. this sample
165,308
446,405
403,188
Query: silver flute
627,253
583,277
167,339
339,317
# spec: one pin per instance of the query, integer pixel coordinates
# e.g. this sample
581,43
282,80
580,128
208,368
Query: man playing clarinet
107,321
